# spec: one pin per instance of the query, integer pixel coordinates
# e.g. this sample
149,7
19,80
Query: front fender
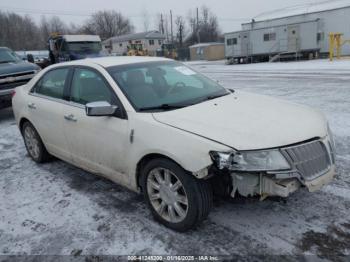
190,151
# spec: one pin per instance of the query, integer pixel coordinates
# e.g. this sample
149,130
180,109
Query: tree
18,32
205,28
146,20
50,26
107,24
180,29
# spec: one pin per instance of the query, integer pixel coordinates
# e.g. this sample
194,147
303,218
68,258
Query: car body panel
99,150
17,67
12,75
247,121
113,147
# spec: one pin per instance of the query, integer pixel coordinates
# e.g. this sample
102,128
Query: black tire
199,195
42,156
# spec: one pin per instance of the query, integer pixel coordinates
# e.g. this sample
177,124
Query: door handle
70,118
32,106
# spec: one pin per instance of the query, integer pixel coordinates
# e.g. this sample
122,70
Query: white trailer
296,32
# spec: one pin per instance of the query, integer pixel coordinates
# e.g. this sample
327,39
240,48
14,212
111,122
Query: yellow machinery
136,50
336,42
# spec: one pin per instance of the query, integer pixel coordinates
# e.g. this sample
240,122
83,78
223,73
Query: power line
68,13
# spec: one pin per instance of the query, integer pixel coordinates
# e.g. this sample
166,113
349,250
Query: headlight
264,160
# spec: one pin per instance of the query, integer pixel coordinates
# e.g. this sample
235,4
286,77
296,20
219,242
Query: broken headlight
264,160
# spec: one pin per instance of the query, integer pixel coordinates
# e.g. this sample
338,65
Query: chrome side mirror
101,108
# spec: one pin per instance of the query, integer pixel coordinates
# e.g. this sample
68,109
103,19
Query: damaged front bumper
265,185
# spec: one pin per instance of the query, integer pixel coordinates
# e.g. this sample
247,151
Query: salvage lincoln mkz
158,127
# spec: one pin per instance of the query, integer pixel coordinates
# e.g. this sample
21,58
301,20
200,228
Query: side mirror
101,108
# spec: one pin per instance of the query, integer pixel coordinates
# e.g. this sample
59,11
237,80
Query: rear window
52,83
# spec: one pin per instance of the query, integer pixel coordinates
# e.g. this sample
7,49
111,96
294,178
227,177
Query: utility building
207,51
296,32
150,41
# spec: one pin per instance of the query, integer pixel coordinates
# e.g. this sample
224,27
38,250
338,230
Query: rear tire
177,199
34,145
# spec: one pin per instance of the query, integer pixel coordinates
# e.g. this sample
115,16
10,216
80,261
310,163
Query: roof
303,9
82,38
137,36
205,44
114,60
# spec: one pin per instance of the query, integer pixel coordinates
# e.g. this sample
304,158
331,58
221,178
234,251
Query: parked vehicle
158,127
13,72
73,47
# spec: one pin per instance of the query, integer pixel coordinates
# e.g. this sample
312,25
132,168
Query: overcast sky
231,13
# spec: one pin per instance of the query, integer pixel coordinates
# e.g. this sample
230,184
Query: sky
230,13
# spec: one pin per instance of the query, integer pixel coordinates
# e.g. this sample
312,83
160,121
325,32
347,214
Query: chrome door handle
32,106
70,118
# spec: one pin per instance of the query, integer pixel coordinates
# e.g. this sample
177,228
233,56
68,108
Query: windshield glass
166,85
84,46
7,55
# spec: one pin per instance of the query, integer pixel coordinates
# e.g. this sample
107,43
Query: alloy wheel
167,195
31,142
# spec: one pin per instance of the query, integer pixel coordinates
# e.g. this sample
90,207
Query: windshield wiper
211,97
9,61
164,107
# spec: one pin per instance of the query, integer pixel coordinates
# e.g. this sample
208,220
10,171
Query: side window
52,83
88,86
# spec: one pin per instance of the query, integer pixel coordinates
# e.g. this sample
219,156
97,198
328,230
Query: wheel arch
21,123
146,159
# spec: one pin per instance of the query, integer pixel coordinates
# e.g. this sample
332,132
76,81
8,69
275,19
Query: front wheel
177,199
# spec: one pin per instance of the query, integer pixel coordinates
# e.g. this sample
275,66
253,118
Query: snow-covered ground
58,209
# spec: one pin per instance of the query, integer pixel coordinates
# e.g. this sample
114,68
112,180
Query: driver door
98,144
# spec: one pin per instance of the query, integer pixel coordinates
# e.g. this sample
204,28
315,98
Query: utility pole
171,27
161,24
180,33
197,29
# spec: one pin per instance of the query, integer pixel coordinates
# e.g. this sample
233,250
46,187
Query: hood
247,121
16,67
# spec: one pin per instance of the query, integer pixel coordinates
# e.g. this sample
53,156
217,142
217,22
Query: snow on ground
58,209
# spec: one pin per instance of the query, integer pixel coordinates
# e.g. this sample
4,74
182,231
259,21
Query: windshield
7,55
164,85
84,46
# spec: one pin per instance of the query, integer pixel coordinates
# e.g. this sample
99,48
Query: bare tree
180,29
159,23
107,24
50,26
206,28
146,20
18,32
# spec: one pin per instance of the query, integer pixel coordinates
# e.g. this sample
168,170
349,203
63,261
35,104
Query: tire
181,202
34,145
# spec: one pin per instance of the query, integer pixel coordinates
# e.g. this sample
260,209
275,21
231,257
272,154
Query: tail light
13,93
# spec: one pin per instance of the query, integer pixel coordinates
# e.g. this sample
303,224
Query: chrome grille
13,80
311,159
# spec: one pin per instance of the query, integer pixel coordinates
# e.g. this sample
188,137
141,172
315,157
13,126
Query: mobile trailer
262,44
297,32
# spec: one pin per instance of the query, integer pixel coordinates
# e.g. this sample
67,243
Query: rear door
45,105
98,144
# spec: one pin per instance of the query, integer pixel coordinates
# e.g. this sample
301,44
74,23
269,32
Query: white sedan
162,129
